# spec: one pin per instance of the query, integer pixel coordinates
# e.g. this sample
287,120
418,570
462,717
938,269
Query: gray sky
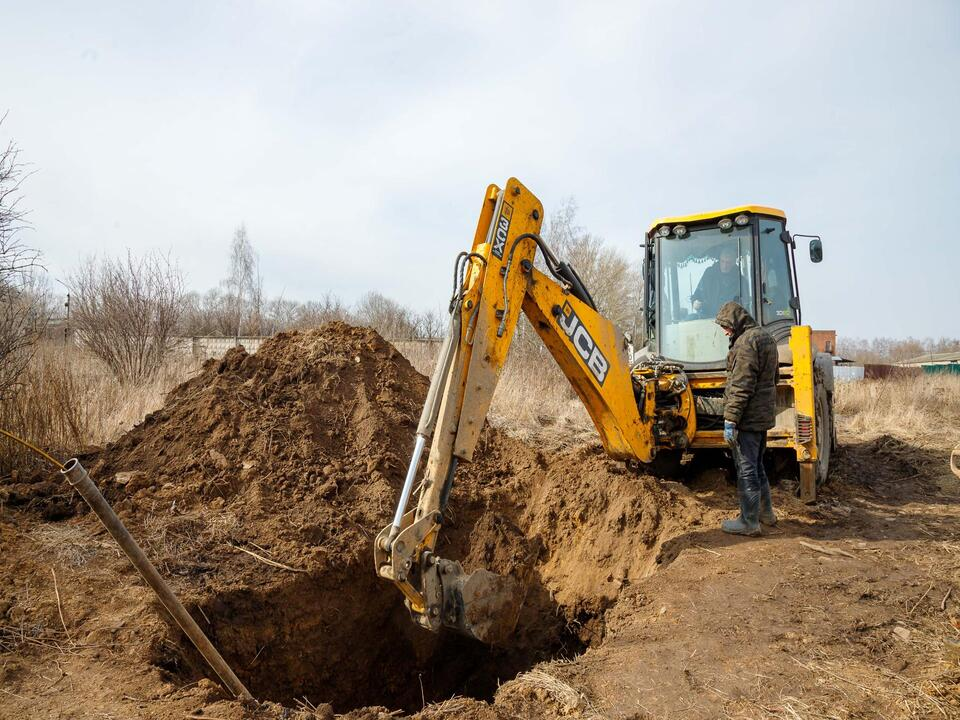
355,139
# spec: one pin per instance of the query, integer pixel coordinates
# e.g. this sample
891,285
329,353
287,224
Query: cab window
775,289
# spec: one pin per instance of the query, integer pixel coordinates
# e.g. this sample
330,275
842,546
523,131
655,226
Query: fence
203,347
422,354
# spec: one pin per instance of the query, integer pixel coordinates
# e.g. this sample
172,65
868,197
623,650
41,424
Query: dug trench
261,483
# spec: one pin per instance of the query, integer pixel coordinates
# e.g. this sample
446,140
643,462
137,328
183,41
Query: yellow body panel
708,383
517,212
803,387
804,394
716,214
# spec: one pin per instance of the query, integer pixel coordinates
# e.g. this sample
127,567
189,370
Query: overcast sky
355,139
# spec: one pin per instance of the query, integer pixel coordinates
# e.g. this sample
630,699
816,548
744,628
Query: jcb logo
500,233
583,342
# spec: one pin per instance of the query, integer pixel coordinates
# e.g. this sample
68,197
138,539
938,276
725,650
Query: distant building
935,363
825,341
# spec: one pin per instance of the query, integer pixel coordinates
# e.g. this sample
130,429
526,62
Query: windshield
698,274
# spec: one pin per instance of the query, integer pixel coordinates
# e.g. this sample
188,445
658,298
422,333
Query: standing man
750,408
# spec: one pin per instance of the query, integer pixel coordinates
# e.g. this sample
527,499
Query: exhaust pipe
78,478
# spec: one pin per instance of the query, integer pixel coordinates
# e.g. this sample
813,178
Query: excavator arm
493,284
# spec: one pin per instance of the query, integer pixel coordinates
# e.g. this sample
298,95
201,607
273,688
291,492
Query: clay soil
259,486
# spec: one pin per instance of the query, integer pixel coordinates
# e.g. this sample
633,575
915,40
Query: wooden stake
56,589
826,550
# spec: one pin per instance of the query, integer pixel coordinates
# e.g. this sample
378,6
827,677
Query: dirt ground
258,488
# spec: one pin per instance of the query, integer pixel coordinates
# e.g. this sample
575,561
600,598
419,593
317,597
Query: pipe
79,479
407,487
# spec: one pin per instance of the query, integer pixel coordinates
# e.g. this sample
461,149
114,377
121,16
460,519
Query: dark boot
738,526
747,456
767,516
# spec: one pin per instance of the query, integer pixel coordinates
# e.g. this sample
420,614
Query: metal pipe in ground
79,479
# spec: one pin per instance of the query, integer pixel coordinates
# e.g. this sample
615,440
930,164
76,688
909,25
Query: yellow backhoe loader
649,406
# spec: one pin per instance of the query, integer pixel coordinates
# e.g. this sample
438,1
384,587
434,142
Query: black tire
825,433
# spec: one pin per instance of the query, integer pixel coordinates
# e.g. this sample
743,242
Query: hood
735,317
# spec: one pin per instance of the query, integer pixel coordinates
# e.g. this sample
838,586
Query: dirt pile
261,483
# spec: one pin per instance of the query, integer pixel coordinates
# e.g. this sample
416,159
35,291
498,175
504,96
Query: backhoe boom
494,283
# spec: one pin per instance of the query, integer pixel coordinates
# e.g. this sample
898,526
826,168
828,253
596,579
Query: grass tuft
68,400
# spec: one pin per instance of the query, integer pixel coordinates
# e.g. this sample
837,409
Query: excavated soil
261,483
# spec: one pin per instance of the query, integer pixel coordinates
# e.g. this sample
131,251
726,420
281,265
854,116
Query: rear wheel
825,433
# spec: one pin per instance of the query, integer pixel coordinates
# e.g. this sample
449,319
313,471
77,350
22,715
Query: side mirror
816,250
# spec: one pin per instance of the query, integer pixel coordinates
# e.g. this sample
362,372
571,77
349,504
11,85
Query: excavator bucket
481,604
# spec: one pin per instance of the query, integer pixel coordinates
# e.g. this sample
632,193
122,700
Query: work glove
730,433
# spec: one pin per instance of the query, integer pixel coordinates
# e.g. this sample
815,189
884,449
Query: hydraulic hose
562,271
34,448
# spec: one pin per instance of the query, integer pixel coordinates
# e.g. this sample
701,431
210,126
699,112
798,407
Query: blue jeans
753,487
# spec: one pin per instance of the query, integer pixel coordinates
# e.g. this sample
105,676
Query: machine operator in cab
720,283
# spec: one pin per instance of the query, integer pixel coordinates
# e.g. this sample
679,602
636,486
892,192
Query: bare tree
612,281
209,313
429,325
388,317
23,306
126,310
281,314
888,350
212,313
615,285
244,285
317,312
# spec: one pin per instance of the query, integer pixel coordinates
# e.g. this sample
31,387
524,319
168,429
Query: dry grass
924,411
174,537
533,400
422,354
544,686
70,545
68,401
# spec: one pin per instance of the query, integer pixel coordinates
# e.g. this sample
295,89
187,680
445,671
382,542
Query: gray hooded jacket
750,397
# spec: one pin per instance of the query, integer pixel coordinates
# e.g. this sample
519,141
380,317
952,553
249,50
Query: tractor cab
696,263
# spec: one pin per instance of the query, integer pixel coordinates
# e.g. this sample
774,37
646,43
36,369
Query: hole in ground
355,645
